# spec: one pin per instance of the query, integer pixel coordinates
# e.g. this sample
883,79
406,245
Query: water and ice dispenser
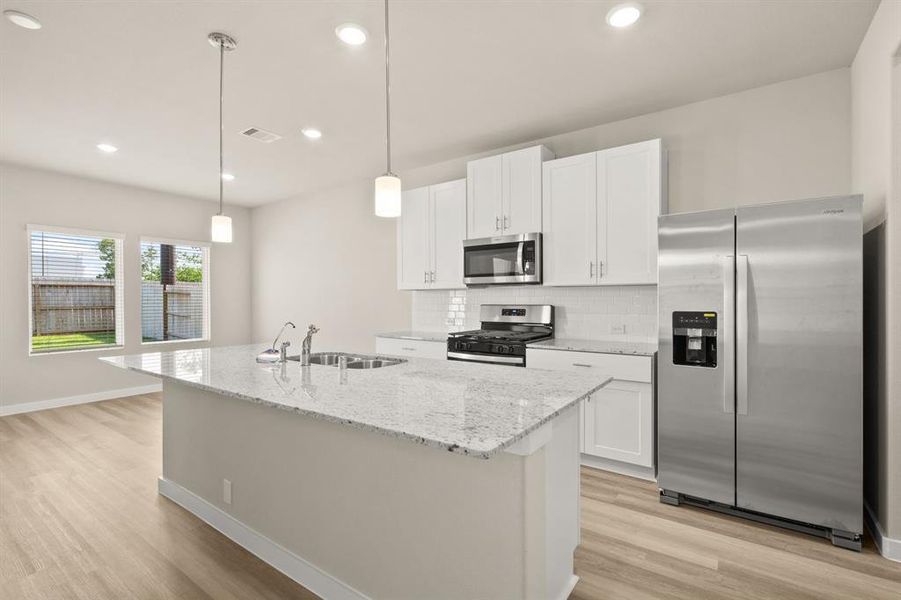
694,339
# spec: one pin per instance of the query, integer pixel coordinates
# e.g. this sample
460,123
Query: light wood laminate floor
80,518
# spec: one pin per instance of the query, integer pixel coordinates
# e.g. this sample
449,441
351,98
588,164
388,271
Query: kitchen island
424,479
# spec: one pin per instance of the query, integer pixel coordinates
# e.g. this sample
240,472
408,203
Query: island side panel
383,515
562,519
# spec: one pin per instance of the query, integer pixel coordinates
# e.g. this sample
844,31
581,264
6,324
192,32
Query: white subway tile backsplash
616,313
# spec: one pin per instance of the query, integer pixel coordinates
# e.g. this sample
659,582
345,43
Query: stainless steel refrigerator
759,409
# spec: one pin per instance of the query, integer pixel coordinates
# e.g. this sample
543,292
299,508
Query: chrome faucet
268,355
306,346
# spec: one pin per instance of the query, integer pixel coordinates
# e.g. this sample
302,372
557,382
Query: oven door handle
497,358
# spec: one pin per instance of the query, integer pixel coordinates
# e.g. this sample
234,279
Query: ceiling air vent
261,135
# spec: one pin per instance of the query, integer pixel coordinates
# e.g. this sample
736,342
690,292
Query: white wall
785,141
30,196
325,258
876,171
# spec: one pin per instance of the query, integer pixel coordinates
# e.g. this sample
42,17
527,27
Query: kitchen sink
323,358
373,363
354,361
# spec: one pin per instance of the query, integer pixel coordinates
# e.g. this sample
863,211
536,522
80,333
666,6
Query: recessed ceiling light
108,148
21,19
312,133
623,15
351,34
228,177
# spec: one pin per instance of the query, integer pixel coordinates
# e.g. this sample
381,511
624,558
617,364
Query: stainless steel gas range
506,330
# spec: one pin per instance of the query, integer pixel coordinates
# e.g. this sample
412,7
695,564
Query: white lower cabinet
619,424
415,348
617,431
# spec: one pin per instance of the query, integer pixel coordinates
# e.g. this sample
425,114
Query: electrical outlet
621,329
226,491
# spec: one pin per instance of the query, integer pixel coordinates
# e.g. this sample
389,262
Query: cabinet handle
600,269
425,276
432,277
581,365
408,349
591,270
506,226
497,223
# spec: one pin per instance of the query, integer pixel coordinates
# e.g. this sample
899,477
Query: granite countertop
467,408
597,346
424,336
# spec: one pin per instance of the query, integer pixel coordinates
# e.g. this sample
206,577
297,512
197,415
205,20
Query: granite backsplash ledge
616,313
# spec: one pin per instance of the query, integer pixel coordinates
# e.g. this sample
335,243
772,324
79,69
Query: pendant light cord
387,89
221,77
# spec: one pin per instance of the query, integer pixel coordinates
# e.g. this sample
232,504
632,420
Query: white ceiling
467,76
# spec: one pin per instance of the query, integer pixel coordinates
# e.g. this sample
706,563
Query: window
174,291
75,291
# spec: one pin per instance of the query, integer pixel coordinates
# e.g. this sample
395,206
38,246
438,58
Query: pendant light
221,229
387,186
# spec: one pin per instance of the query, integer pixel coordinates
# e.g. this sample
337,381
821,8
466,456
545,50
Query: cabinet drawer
618,366
418,348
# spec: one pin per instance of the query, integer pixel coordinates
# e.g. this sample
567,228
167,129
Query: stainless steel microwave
508,259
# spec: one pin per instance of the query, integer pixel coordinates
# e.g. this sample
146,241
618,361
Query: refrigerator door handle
727,344
741,333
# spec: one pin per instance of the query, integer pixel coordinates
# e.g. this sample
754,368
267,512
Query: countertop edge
432,443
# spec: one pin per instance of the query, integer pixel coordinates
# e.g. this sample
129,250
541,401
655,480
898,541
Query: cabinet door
413,244
629,201
569,215
448,224
484,182
522,191
618,423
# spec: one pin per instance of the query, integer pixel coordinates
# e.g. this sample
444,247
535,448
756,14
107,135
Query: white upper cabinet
570,220
448,228
504,193
630,198
413,247
430,234
605,232
522,190
484,196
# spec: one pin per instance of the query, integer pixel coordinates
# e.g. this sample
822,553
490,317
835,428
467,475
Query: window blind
75,291
174,298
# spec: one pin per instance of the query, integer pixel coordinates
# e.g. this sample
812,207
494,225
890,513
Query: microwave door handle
726,346
519,266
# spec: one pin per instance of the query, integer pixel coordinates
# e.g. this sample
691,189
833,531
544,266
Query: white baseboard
306,574
606,464
25,407
568,588
888,547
